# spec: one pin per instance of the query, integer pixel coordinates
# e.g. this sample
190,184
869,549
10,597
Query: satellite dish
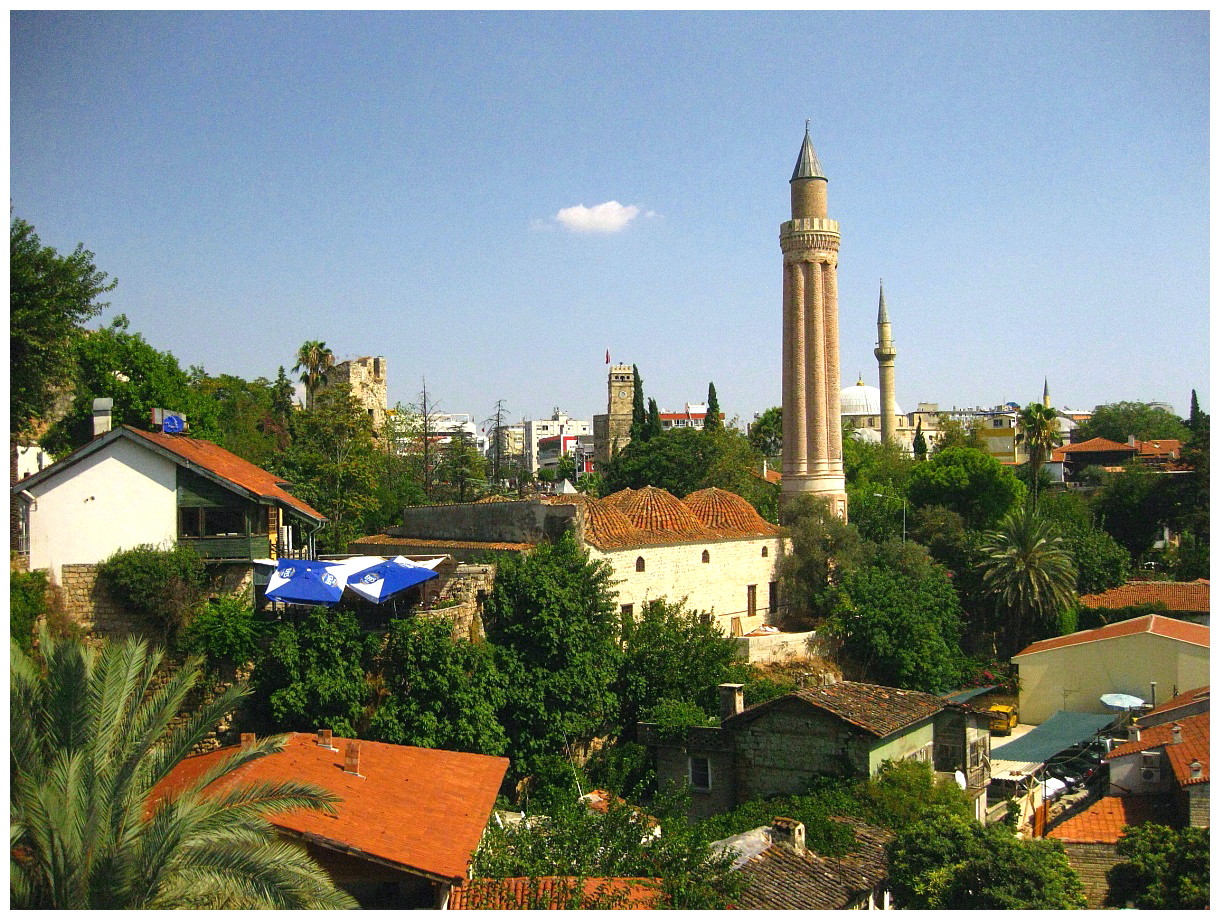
173,424
1121,701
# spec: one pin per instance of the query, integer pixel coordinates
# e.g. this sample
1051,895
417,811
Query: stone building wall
367,378
461,599
1092,861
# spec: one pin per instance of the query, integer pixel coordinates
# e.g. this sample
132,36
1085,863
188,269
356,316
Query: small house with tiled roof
1189,600
129,487
1189,703
846,728
782,873
1073,672
408,819
711,548
1171,759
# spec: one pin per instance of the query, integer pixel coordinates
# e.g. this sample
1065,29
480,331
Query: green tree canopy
462,472
971,482
440,692
670,652
250,419
1117,421
553,620
93,731
1038,430
822,550
50,297
713,422
955,433
767,432
312,674
1134,505
951,862
638,416
112,362
1162,868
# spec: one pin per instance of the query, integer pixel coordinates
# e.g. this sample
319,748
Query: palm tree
1038,429
1029,573
314,359
92,733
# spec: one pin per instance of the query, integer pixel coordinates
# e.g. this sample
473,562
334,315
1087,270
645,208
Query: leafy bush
164,585
1162,869
673,717
27,595
225,633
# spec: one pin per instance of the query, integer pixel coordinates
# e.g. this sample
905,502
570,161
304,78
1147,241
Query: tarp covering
962,696
1056,734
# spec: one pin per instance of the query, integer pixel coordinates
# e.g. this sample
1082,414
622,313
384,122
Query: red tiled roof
1182,699
1185,596
655,510
876,709
1195,744
1157,625
1166,448
556,893
1107,819
728,513
220,462
421,809
1093,445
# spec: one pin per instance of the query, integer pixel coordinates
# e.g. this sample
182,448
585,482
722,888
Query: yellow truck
1003,719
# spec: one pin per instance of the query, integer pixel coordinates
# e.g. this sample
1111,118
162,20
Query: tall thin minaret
1046,393
886,353
813,433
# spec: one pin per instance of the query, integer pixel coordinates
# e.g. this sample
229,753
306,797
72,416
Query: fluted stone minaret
813,433
886,353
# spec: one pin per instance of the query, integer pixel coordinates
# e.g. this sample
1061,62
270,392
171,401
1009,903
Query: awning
1056,734
962,696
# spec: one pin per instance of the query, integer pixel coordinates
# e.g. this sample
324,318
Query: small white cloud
607,217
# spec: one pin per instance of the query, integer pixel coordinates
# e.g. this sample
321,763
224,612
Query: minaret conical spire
807,165
1046,393
883,316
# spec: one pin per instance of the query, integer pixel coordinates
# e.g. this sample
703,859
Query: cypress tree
638,417
1195,411
921,444
712,421
652,427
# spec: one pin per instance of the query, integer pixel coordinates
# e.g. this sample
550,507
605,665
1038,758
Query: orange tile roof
1157,625
1093,445
1107,819
1185,596
555,893
1182,699
657,511
728,513
418,808
1195,744
220,462
1168,448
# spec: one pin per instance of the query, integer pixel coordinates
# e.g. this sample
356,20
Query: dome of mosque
861,400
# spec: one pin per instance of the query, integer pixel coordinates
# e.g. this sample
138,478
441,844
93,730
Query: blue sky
1033,188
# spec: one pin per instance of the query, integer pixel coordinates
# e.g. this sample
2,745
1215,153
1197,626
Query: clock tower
612,431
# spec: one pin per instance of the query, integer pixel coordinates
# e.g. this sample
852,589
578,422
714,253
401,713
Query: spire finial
806,125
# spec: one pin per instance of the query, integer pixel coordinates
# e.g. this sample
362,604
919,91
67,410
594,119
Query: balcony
230,546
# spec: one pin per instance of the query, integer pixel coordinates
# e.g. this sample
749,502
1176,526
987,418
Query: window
639,564
707,557
764,552
211,522
700,773
773,596
751,600
628,611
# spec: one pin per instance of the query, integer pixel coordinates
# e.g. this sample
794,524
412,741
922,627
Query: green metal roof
963,696
1056,734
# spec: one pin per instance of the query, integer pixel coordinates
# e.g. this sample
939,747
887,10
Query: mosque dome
727,512
861,400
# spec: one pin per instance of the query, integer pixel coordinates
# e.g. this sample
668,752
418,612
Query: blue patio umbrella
305,581
379,582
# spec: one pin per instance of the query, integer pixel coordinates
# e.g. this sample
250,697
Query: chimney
732,700
1176,731
787,832
1135,732
103,407
325,739
351,758
1152,687
248,738
1196,769
1130,440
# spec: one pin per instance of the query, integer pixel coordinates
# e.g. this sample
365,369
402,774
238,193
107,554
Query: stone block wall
461,599
777,647
1092,861
496,522
88,603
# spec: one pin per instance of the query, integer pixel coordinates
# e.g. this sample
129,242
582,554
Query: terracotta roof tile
1195,745
1182,699
876,709
620,498
1157,625
555,892
419,808
220,462
657,511
728,513
780,879
1184,596
1094,445
1166,448
386,540
1107,819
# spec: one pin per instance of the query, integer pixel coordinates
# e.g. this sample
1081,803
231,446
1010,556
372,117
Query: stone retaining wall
777,647
1092,861
461,599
